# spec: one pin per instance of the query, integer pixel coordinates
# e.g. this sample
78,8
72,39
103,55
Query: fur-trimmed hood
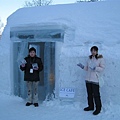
97,56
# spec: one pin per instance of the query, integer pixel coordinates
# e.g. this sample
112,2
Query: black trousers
93,95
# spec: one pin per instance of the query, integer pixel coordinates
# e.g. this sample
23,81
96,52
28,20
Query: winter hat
32,49
94,48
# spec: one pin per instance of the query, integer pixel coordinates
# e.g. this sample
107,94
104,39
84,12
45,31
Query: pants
93,95
32,91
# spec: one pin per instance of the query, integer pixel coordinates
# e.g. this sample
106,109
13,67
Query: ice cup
35,65
23,62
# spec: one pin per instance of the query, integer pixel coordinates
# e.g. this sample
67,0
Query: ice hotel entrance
45,40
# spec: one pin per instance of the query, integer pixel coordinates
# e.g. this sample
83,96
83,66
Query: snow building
62,35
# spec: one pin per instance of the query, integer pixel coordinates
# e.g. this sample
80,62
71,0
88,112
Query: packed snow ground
13,108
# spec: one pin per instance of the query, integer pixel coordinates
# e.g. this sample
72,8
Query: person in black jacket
31,66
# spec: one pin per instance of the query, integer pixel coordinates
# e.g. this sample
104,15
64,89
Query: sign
67,92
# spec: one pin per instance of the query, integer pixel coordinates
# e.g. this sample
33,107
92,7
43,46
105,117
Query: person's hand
35,68
80,65
23,65
93,69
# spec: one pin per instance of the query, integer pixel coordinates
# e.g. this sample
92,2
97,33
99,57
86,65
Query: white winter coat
98,64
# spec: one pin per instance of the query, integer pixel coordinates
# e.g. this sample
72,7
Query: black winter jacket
35,75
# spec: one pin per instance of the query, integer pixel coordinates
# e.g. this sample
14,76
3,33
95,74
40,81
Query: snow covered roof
86,18
69,12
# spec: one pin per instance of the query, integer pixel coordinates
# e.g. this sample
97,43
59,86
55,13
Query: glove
80,65
23,65
93,69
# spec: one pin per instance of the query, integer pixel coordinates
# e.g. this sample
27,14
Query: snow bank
86,24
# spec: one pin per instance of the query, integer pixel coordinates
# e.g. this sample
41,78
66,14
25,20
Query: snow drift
86,24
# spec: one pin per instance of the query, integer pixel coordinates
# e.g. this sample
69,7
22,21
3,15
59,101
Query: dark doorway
45,50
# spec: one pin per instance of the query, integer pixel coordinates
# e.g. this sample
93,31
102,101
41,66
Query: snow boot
36,104
88,108
96,112
90,104
90,97
28,104
98,105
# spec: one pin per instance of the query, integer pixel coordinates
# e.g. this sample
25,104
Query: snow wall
87,24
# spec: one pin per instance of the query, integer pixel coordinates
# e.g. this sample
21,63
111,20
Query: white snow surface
86,24
13,108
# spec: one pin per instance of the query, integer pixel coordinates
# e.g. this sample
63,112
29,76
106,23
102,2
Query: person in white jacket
95,65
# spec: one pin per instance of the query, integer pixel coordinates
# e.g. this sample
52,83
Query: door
20,50
49,69
44,50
